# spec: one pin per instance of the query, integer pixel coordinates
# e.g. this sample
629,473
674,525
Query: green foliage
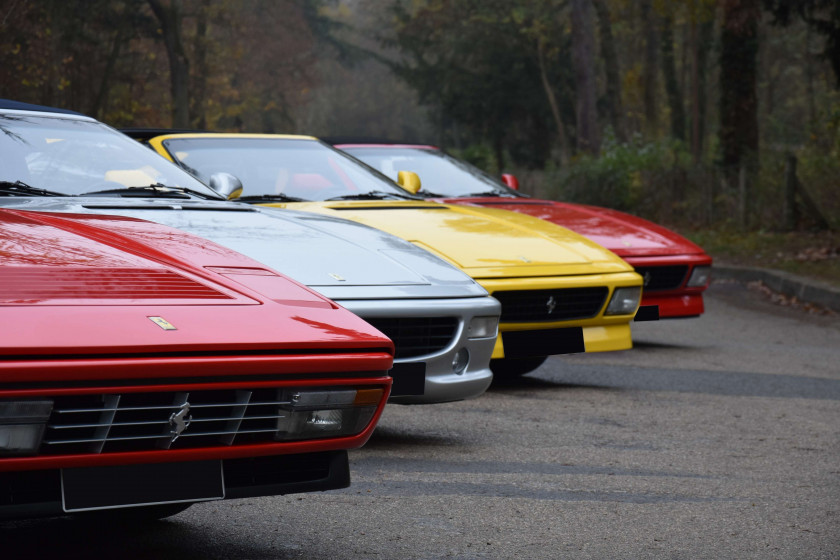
477,63
480,155
626,176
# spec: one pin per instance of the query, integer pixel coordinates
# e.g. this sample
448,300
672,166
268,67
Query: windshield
440,174
281,167
72,156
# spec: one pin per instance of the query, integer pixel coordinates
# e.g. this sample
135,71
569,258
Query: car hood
338,258
93,285
484,242
624,234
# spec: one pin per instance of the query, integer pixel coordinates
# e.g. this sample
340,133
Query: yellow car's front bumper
600,333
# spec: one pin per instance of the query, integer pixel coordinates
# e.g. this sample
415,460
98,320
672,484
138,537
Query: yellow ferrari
560,292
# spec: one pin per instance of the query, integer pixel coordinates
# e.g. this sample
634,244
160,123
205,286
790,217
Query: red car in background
143,369
676,271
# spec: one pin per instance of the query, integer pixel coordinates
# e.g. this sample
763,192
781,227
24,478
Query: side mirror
510,180
409,180
227,185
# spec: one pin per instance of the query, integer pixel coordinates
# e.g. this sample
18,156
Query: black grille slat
658,278
416,336
526,306
140,421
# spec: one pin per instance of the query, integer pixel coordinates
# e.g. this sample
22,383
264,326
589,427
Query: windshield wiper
152,191
277,196
373,195
488,193
19,188
429,194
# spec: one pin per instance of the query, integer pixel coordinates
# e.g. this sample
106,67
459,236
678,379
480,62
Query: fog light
461,361
483,327
699,276
314,414
624,301
22,426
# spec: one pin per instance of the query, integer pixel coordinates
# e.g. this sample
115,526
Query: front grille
662,277
526,306
144,421
416,336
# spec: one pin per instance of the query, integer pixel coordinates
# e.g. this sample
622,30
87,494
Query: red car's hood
94,285
623,234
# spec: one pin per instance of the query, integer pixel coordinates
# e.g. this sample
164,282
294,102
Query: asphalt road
716,437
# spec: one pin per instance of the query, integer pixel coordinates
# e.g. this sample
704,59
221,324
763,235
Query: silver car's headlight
699,276
624,301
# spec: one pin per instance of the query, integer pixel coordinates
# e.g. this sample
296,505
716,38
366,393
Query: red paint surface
76,294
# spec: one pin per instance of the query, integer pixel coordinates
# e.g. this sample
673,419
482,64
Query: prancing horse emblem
179,421
551,304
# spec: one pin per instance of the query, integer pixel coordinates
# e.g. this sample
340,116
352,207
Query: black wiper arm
371,195
13,188
151,191
488,193
276,196
429,194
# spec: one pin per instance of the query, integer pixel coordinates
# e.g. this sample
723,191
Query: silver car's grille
151,420
662,277
416,336
525,306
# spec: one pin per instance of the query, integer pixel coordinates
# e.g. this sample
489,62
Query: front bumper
599,333
39,493
441,383
674,299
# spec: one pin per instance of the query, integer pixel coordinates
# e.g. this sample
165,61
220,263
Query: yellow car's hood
485,242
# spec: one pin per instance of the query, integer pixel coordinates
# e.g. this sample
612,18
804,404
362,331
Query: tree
611,69
484,66
738,71
583,46
170,16
669,72
822,16
650,65
702,16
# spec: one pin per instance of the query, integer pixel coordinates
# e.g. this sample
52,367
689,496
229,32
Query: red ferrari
675,270
143,369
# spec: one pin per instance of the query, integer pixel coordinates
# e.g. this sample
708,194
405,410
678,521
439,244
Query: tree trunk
669,72
701,45
552,101
199,107
610,69
649,70
583,49
809,78
102,92
170,17
738,71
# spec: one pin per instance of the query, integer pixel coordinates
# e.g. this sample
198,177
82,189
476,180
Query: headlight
483,327
624,301
308,414
22,425
699,276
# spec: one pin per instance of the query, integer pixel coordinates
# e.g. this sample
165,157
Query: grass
814,255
